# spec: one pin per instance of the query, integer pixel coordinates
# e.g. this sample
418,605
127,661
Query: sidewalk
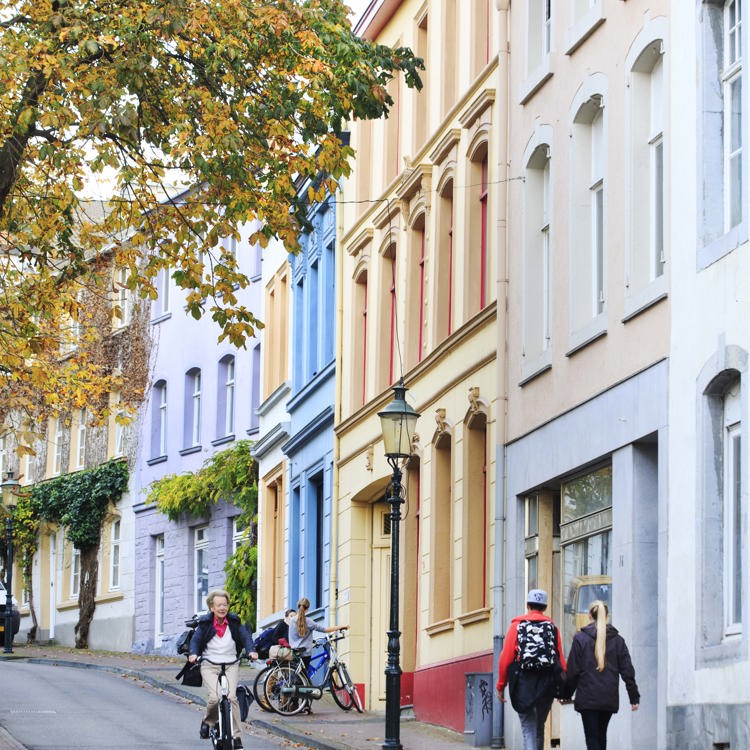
327,728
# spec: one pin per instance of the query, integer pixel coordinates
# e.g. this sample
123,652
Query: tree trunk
87,595
31,635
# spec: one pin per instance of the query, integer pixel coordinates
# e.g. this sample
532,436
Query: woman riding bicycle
220,638
301,630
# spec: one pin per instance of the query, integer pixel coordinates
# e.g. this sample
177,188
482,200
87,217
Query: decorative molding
442,424
474,399
477,615
440,627
445,144
360,241
476,108
370,457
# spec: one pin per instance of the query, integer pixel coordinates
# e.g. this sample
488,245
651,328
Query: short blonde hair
213,594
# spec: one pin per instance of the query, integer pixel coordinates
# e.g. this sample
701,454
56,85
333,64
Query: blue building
309,449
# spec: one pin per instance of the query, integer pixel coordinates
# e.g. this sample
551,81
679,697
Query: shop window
586,539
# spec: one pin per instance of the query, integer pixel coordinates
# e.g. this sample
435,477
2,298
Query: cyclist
301,630
220,637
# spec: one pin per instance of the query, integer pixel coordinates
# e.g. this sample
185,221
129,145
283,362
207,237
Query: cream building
421,217
589,264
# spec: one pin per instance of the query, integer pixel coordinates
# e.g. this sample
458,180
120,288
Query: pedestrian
220,637
598,658
301,630
271,636
531,665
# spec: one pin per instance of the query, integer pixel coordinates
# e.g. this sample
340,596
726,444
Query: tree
193,117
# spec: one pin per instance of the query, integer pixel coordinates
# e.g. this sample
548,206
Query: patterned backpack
537,644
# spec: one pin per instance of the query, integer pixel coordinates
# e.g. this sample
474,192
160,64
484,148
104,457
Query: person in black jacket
598,658
220,637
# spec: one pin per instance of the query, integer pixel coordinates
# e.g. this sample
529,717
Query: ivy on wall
80,501
230,475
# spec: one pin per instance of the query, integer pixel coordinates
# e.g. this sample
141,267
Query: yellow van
583,591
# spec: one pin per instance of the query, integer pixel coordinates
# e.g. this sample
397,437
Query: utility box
478,716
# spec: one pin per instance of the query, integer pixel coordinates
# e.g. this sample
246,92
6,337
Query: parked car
14,611
583,591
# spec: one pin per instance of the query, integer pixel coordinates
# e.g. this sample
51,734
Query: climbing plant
230,475
80,502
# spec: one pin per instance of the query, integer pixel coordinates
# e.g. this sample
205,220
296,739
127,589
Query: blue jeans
532,724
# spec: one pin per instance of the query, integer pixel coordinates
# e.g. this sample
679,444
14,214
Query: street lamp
398,421
9,487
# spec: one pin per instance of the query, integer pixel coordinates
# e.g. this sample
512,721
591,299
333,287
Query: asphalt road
44,707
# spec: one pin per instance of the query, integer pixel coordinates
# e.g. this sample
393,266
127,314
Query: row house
203,396
418,297
588,337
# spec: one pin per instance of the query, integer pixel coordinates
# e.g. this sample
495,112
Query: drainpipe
498,593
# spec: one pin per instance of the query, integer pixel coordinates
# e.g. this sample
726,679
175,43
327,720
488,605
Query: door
52,578
380,612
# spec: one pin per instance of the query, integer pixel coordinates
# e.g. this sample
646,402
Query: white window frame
732,512
731,80
119,433
200,558
114,555
239,534
75,572
123,298
195,415
81,439
57,453
164,289
3,456
596,188
229,385
159,560
162,422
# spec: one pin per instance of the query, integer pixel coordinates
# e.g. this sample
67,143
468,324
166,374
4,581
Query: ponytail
598,613
302,606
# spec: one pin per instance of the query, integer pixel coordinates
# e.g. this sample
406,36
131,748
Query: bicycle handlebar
220,663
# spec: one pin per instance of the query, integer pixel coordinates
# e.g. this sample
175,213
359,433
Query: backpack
183,642
537,644
269,637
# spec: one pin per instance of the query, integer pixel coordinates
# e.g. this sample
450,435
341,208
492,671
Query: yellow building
420,221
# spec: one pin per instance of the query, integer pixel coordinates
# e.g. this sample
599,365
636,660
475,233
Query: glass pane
587,494
532,516
736,542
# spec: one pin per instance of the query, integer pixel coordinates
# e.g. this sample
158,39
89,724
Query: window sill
191,449
584,27
721,246
587,335
640,301
536,79
157,460
161,318
443,626
223,440
477,615
533,368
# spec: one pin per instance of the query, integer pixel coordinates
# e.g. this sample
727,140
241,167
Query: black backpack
537,644
183,642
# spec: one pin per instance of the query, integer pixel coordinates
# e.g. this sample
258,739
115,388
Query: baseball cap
537,596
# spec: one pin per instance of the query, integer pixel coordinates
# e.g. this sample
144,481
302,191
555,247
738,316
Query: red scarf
220,628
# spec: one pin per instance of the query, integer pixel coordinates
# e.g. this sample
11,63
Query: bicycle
289,689
222,734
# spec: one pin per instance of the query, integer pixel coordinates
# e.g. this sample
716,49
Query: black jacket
594,690
206,631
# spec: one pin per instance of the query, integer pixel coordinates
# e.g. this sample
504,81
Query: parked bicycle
289,690
222,734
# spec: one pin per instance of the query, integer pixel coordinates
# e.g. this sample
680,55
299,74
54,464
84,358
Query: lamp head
9,487
398,422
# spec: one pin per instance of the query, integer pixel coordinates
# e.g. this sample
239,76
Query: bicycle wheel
350,686
339,692
225,724
279,690
259,688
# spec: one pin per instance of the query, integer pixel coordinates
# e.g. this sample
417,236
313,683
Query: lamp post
398,421
9,487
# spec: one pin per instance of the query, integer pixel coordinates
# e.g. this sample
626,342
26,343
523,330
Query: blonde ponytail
302,606
598,612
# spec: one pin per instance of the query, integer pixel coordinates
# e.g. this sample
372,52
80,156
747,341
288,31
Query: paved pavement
327,728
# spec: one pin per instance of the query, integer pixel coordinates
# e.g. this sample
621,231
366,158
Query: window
480,35
164,292
539,35
81,439
255,389
225,400
359,350
192,408
276,357
587,209
119,429
586,539
159,420
114,557
272,549
732,511
388,313
57,448
240,534
123,303
444,271
475,514
442,529
4,456
415,299
159,587
422,110
537,261
314,546
200,552
721,129
312,325
478,272
646,245
75,573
